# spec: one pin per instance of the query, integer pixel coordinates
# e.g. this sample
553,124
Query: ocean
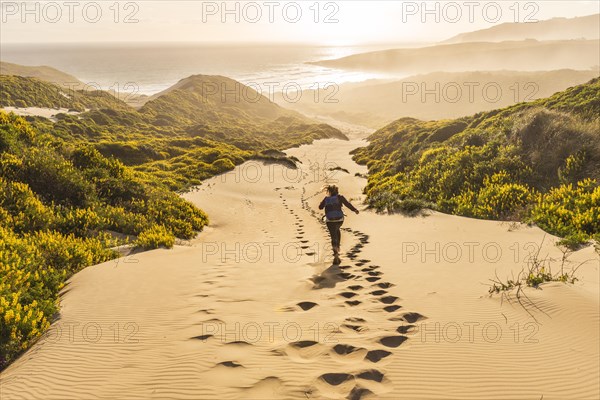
148,68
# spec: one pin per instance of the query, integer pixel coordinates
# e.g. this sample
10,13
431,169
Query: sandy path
253,309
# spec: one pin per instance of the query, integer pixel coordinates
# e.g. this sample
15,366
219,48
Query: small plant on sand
574,241
413,207
536,272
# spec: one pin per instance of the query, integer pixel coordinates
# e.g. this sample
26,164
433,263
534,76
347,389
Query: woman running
334,217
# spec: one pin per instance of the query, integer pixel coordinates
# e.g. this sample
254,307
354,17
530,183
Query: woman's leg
339,234
332,233
336,237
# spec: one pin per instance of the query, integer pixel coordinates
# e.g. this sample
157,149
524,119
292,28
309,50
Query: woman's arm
348,204
322,205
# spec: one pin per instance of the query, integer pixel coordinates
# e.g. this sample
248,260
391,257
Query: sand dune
253,308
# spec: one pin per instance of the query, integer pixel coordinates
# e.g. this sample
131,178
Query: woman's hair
332,189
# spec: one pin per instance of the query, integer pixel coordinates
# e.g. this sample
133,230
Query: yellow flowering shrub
57,202
26,210
570,209
34,268
155,237
499,198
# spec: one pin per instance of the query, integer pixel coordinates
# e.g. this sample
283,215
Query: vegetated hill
524,55
43,73
438,95
65,81
18,91
537,161
216,105
586,27
60,204
206,92
182,136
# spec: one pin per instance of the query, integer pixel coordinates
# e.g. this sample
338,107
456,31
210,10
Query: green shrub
499,198
120,220
55,179
412,207
34,268
573,168
568,210
222,165
25,209
56,201
156,236
79,221
536,161
573,241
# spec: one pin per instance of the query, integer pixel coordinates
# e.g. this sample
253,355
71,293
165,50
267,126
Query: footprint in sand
346,275
336,379
352,386
358,393
230,364
238,343
355,328
404,329
202,337
306,305
356,319
303,351
378,292
388,299
347,353
226,373
392,341
377,355
355,324
412,317
371,375
372,380
266,388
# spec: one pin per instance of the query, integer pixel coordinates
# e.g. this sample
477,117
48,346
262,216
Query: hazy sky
324,22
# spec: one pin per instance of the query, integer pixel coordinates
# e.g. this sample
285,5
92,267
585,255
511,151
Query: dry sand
49,113
253,308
